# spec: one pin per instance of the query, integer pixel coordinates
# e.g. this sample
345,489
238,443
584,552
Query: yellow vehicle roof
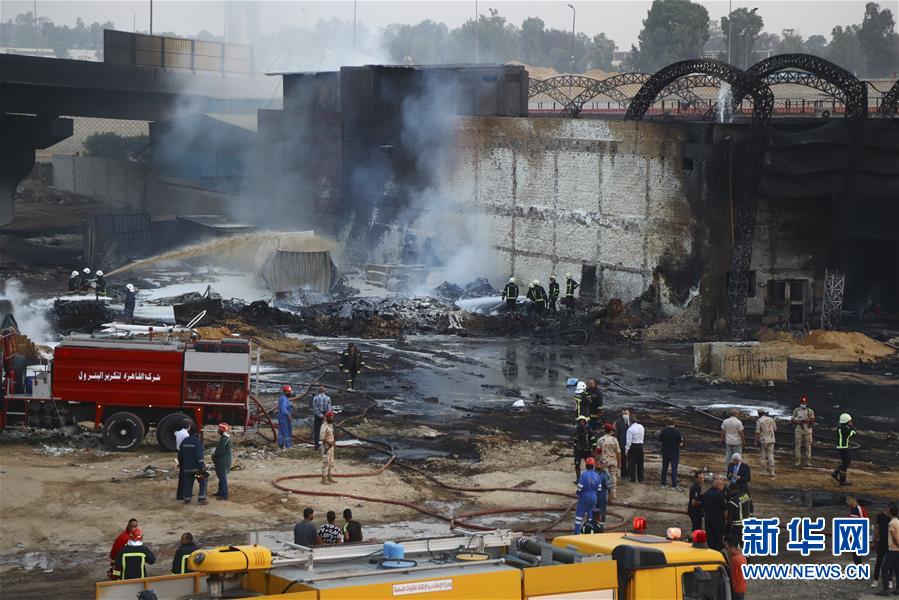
675,553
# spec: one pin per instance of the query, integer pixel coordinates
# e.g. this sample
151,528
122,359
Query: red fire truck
129,385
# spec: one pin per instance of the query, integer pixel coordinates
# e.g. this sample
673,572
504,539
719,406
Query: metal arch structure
704,72
802,78
591,88
763,99
854,92
889,104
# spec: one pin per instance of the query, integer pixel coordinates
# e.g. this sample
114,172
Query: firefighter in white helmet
537,295
130,302
100,284
84,280
510,294
74,282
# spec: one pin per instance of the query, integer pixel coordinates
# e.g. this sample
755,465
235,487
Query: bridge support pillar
22,135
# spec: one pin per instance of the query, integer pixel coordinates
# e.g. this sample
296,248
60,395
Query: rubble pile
479,288
83,316
380,317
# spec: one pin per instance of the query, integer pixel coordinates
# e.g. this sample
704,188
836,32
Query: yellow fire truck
499,565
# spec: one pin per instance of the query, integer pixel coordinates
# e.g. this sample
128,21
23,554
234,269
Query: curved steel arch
889,104
854,92
762,98
744,208
591,88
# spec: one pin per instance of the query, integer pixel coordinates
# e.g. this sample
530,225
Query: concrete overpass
35,93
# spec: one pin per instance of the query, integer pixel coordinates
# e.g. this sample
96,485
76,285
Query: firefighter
584,444
132,560
739,508
845,432
190,455
537,295
285,416
587,486
100,284
351,364
804,420
84,281
120,541
510,294
581,402
570,286
179,563
130,302
553,294
74,282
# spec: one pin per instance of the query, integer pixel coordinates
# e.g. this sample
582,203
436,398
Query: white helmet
74,274
581,387
553,277
129,287
99,273
530,285
511,280
86,271
536,282
567,275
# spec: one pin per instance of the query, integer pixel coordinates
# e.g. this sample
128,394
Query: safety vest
553,290
844,432
125,557
578,403
570,286
744,507
184,560
510,292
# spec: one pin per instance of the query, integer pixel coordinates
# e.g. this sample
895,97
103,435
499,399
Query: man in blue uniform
587,486
285,426
602,494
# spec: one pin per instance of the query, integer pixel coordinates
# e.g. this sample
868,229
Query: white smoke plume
31,318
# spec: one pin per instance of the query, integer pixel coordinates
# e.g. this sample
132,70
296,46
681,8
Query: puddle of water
29,561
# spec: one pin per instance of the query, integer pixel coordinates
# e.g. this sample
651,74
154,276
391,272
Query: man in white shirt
180,436
634,448
732,435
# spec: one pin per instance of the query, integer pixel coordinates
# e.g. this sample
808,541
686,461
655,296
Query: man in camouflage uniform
804,420
610,452
765,429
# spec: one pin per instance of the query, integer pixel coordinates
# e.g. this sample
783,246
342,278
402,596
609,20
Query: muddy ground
60,512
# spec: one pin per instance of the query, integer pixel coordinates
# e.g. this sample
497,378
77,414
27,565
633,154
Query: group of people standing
541,299
192,462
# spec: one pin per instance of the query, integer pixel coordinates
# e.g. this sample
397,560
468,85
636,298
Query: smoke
30,317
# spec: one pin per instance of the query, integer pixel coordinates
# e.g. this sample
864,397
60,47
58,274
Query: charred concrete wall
617,198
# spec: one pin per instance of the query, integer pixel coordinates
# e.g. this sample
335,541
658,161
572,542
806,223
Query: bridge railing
176,54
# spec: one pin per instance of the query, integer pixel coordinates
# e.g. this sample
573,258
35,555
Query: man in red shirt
736,559
120,543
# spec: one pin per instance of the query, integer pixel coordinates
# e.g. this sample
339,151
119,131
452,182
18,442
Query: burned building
442,166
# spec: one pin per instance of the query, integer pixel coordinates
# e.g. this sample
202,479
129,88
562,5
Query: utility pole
730,28
133,21
151,17
354,26
477,28
573,15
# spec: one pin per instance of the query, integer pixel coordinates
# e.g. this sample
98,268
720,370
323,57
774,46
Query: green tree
108,144
845,49
790,43
673,30
815,44
879,43
422,43
601,53
744,25
532,42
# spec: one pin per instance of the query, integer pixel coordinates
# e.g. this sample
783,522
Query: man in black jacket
671,440
595,400
132,561
190,456
622,424
714,508
179,563
510,294
584,444
553,294
694,504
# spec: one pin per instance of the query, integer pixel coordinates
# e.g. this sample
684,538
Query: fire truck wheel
123,431
166,428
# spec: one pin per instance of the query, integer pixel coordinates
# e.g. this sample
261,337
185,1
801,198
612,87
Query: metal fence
84,127
176,54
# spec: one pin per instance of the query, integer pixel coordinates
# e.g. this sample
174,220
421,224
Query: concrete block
740,362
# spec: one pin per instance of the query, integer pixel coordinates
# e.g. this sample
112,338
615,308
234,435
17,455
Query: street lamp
477,30
573,15
133,21
151,17
354,26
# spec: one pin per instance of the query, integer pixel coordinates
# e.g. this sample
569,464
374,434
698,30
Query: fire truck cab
127,386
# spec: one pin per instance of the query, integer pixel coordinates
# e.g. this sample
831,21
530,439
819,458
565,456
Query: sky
621,20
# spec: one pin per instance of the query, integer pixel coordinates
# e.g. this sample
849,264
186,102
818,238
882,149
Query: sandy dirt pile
826,346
